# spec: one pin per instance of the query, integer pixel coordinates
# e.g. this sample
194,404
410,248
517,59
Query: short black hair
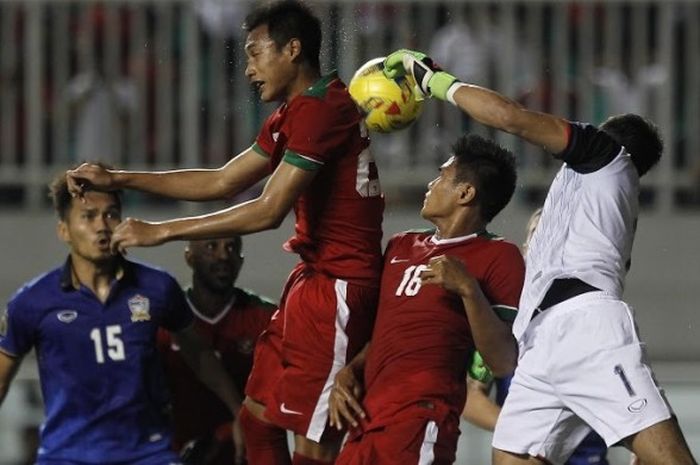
639,136
287,20
61,197
490,168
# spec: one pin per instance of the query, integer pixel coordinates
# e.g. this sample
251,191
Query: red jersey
339,217
197,411
422,341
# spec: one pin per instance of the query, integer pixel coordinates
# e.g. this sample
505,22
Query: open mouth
103,243
257,86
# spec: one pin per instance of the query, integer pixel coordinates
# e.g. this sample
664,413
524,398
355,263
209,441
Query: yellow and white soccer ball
388,104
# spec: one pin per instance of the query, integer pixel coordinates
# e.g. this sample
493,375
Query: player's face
88,226
442,197
269,70
215,263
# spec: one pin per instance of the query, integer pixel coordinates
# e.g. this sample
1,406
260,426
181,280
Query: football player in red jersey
231,319
315,151
444,293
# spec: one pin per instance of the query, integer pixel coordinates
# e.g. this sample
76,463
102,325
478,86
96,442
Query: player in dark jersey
315,150
231,319
93,324
581,364
443,294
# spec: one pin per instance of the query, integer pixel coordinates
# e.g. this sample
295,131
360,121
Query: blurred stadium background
159,84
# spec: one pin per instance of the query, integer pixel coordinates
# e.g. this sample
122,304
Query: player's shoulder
499,248
148,274
37,289
323,99
252,299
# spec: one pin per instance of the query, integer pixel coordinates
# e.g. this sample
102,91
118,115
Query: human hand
344,401
136,233
89,175
449,273
430,79
478,370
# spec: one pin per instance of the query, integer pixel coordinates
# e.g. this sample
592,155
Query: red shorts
413,441
322,323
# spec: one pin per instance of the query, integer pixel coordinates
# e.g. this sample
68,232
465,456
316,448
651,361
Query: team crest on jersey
245,346
139,306
3,323
67,316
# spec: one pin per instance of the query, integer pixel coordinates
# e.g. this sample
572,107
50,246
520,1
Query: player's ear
188,256
467,193
62,231
294,48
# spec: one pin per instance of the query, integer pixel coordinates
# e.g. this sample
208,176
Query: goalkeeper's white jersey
586,231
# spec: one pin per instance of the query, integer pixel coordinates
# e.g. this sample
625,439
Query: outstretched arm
484,105
265,212
234,177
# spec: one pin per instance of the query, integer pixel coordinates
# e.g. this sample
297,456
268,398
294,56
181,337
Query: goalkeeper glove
430,78
478,369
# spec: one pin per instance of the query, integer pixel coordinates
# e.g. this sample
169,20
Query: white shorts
581,367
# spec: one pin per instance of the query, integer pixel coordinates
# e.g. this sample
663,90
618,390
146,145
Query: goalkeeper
581,364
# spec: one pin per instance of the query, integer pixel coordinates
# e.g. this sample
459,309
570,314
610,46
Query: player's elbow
271,212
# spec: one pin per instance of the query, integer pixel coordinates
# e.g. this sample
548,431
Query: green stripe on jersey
300,161
260,299
319,88
505,313
256,148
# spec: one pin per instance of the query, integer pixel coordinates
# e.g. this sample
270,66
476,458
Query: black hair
490,168
639,136
61,197
287,20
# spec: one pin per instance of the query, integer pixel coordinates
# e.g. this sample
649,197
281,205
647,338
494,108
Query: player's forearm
194,185
246,218
212,373
495,110
492,336
479,409
357,364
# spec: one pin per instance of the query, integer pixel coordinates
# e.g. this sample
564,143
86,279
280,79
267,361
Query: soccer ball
387,104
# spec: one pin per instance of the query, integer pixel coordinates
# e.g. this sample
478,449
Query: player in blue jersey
93,323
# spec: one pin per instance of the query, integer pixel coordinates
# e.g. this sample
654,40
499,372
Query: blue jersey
100,373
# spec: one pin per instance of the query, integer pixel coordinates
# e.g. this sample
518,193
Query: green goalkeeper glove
478,369
430,78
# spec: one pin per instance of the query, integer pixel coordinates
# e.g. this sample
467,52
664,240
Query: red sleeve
264,144
319,130
504,281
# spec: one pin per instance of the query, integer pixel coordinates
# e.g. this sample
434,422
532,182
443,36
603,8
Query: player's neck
96,276
208,302
449,228
305,78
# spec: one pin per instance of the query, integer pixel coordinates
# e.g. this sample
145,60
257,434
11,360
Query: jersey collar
454,240
69,282
219,316
319,88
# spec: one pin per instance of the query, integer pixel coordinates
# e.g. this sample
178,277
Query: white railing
161,84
